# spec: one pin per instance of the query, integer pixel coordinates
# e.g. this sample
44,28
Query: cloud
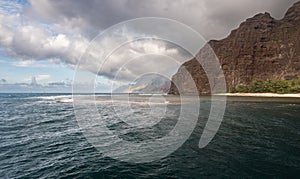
42,77
23,63
134,58
39,78
24,87
10,7
212,18
56,87
57,84
61,30
34,42
142,57
29,63
126,61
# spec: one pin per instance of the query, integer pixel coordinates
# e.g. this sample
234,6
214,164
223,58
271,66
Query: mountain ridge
260,48
149,84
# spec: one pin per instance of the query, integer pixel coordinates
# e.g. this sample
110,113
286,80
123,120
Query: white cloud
43,77
133,58
23,63
6,33
29,63
34,42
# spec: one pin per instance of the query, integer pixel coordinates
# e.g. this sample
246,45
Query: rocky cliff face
261,48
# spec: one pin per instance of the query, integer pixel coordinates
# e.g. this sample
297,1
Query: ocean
40,137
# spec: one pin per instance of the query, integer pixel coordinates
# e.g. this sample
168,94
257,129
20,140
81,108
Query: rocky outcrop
260,48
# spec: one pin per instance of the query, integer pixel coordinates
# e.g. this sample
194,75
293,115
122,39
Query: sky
46,39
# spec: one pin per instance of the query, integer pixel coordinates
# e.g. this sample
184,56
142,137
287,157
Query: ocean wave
62,99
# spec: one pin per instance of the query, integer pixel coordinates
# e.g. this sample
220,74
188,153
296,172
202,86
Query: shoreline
270,95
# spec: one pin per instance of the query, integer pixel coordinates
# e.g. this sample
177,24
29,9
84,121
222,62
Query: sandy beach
262,95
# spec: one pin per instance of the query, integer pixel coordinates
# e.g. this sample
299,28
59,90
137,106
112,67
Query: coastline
271,95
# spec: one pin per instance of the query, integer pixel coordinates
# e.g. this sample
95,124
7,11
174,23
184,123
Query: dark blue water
40,138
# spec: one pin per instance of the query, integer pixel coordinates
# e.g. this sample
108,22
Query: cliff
260,48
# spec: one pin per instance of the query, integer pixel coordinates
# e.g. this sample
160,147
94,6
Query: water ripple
40,138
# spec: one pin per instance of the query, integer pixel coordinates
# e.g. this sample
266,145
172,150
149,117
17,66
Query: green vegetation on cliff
269,86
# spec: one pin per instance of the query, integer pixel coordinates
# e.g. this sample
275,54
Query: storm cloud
212,18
